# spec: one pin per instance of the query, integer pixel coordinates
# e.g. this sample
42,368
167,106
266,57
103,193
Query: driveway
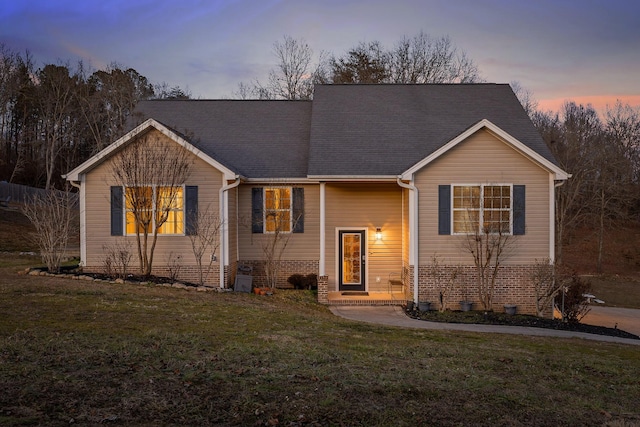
627,319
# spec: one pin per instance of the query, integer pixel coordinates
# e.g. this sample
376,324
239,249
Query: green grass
90,353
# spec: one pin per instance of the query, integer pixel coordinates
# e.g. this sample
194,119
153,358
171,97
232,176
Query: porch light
378,234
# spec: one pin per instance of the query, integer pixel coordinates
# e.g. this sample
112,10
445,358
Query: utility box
244,279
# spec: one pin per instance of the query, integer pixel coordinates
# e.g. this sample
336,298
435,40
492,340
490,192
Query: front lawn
86,353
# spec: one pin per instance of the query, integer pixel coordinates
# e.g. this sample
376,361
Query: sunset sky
587,51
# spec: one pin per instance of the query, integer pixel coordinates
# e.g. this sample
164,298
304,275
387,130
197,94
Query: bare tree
623,125
54,216
107,99
489,248
55,98
421,59
293,77
612,187
570,139
424,59
366,63
152,172
205,238
280,221
445,281
545,285
525,96
117,258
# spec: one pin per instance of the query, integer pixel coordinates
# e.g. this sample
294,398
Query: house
374,181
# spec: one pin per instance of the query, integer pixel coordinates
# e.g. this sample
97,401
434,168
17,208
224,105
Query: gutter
413,234
224,227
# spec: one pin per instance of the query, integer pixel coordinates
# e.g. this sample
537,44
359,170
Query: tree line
602,154
54,117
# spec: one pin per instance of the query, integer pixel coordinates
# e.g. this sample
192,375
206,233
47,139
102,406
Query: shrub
576,306
310,281
297,280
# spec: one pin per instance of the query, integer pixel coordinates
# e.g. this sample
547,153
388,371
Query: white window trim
481,215
154,186
264,209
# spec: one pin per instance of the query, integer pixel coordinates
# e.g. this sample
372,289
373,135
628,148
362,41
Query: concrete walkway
395,316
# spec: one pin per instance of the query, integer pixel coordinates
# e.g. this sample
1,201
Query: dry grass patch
92,353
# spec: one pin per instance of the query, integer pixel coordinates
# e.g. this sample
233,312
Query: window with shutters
482,209
277,210
146,206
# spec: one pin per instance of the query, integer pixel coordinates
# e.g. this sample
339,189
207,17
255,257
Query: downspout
552,226
413,234
552,258
82,212
224,255
322,260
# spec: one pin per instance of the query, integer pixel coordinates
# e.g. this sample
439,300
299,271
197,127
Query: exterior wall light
378,234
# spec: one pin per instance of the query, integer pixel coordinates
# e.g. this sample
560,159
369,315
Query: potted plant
466,305
510,309
424,305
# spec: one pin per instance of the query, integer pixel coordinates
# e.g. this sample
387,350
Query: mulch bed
494,318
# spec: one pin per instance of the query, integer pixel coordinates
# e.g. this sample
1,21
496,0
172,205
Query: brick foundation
513,286
287,268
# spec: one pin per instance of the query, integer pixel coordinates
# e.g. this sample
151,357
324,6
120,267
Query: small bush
297,280
310,281
575,305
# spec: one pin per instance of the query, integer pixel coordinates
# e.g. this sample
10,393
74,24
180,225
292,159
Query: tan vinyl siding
366,205
98,229
483,159
301,246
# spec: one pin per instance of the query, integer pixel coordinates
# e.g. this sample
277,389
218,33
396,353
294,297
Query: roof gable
532,155
140,130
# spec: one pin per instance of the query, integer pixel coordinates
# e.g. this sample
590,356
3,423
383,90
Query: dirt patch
15,231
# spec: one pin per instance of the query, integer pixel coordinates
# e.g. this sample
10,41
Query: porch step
366,298
371,302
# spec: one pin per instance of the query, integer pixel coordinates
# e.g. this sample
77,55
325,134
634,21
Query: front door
352,260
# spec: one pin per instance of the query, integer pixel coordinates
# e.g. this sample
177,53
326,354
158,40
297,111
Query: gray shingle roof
256,139
386,129
347,130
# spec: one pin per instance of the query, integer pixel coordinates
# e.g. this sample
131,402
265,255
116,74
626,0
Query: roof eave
353,178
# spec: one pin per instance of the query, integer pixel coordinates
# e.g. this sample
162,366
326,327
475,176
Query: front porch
366,298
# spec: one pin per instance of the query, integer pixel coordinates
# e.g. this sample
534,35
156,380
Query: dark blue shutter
518,210
444,209
116,211
257,206
298,210
191,210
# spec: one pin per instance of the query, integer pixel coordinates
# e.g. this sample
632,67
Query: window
277,210
154,205
489,205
